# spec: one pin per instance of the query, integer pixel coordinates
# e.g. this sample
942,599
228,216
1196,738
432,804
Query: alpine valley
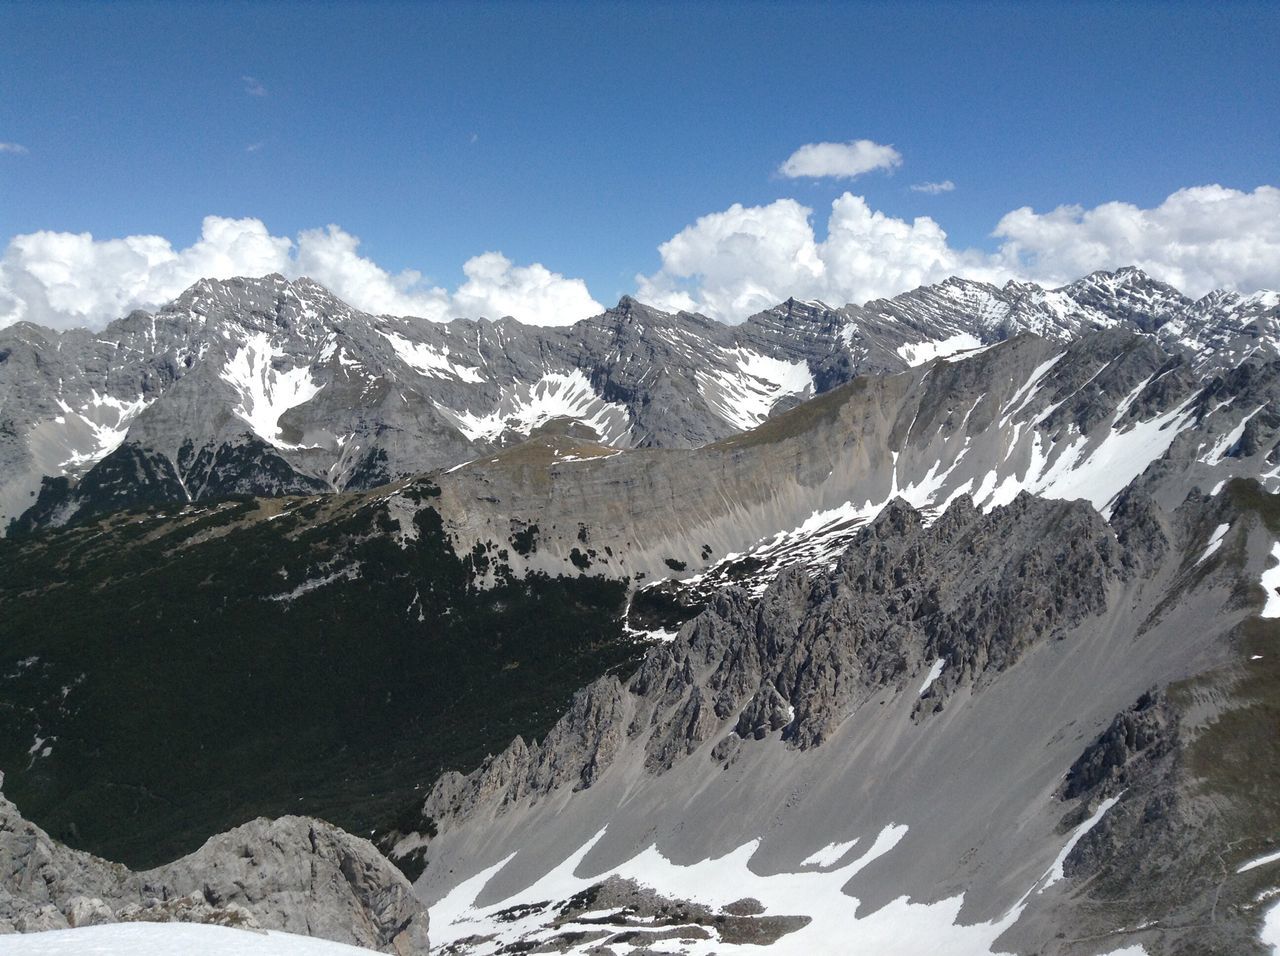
946,623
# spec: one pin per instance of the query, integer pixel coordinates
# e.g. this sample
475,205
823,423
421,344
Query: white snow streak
1055,872
919,353
934,673
829,855
1259,861
265,392
1099,473
1271,584
1215,542
429,361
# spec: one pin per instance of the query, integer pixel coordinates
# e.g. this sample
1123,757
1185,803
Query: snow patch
1259,861
1271,584
1270,935
829,855
429,361
934,673
107,419
918,353
1055,872
744,393
522,408
266,392
1229,440
1215,542
1099,473
900,927
170,939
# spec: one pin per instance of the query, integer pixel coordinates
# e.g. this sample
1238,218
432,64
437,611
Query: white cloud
933,189
253,86
728,264
330,257
534,294
839,160
63,279
71,279
733,263
254,147
15,148
1198,239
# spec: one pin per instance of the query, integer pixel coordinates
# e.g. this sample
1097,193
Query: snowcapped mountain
265,386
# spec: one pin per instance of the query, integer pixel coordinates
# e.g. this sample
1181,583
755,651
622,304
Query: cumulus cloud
839,160
496,287
331,257
1198,239
252,86
63,279
733,263
16,149
72,279
933,189
727,264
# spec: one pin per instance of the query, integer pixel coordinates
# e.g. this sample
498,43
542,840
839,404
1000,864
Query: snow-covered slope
169,939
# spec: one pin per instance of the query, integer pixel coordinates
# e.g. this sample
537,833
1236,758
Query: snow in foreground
901,927
169,939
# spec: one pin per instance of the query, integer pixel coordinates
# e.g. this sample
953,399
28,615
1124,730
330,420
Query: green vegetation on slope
188,674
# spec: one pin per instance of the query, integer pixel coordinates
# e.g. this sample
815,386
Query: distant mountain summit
269,386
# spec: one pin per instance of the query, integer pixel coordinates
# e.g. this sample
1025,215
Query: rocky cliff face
970,591
293,874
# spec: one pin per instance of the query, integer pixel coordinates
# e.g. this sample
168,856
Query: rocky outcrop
1136,738
971,590
293,874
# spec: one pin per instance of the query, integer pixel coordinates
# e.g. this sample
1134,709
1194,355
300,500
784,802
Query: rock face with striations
293,874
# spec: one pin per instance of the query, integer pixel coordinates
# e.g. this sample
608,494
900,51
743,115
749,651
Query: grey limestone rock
293,874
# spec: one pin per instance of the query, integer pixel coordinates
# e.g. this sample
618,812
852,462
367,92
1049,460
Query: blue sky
583,136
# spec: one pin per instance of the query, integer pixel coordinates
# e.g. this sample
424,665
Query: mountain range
270,387
944,623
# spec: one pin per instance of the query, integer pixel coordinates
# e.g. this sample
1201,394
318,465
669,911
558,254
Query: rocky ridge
835,692
293,874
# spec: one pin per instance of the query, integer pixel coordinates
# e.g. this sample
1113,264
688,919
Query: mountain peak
268,295
1124,276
